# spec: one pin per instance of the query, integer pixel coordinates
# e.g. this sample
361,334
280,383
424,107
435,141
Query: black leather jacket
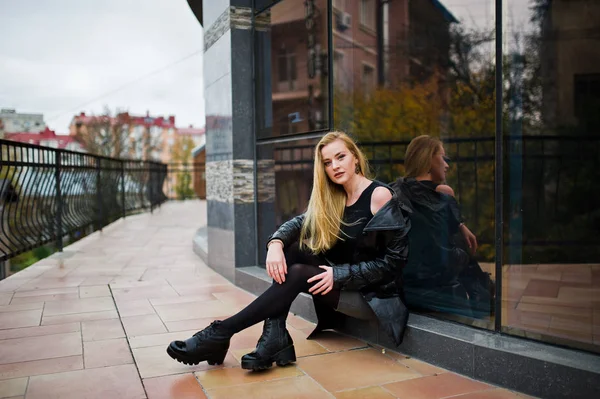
376,269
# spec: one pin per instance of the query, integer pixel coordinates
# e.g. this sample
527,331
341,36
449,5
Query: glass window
551,277
285,173
367,14
429,69
292,94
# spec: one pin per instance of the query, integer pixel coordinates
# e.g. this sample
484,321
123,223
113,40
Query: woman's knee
298,271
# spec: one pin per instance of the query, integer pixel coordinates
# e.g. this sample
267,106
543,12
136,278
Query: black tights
276,300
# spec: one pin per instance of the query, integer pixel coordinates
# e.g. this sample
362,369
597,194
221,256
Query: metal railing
48,195
549,188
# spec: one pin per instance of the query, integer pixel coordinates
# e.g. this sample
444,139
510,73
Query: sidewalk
94,322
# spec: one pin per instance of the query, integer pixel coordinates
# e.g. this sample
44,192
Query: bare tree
105,134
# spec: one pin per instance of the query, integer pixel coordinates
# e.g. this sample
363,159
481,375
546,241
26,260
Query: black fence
549,194
48,195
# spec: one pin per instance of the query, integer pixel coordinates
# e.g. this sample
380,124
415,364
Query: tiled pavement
94,322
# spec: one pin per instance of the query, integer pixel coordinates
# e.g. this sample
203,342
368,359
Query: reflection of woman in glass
347,250
440,273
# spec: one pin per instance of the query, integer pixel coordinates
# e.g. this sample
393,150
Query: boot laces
266,332
207,331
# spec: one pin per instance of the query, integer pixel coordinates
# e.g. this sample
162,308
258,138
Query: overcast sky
56,56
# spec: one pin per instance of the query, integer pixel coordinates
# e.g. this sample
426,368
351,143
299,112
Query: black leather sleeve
289,232
384,268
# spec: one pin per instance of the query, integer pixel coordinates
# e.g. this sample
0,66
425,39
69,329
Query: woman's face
439,166
338,161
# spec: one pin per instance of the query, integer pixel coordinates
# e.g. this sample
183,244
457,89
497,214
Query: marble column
230,142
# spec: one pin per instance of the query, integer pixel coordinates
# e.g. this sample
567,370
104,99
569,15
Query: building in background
125,135
46,138
14,122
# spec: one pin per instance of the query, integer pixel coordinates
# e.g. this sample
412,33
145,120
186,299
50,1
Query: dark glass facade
523,139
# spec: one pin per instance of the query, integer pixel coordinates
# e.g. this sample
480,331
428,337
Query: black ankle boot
210,344
275,345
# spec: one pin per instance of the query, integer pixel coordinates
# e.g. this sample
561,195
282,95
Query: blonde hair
323,217
419,153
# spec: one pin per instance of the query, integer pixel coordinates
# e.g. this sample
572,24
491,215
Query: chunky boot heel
217,359
210,344
286,356
275,345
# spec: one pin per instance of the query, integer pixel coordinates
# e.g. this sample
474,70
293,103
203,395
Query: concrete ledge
531,367
200,244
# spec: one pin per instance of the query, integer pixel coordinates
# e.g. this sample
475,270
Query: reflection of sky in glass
479,14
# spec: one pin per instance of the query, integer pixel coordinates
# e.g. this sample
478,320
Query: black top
355,218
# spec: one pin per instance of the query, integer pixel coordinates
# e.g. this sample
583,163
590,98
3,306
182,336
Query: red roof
190,131
37,138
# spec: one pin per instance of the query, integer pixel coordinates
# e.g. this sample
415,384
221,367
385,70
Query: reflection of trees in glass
182,154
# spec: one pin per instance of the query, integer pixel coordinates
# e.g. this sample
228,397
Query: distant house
46,138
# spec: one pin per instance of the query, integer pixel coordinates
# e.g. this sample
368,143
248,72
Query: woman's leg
278,298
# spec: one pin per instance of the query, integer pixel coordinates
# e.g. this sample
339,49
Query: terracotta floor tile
143,325
580,324
225,377
40,330
111,352
552,309
299,323
297,388
181,299
422,368
247,338
350,369
97,330
138,284
5,298
26,318
44,298
435,387
182,386
542,288
335,342
15,387
48,292
193,310
144,341
36,348
69,318
85,305
490,394
570,334
108,382
154,362
144,292
37,367
12,283
52,282
365,393
584,276
94,291
96,280
136,307
22,306
192,324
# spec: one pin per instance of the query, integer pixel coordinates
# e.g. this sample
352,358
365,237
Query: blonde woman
347,250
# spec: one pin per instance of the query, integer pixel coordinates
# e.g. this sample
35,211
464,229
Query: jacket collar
391,216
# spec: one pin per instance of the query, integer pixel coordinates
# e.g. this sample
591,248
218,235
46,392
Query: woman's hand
276,266
469,237
325,285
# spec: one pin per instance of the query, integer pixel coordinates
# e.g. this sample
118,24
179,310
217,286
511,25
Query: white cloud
56,55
